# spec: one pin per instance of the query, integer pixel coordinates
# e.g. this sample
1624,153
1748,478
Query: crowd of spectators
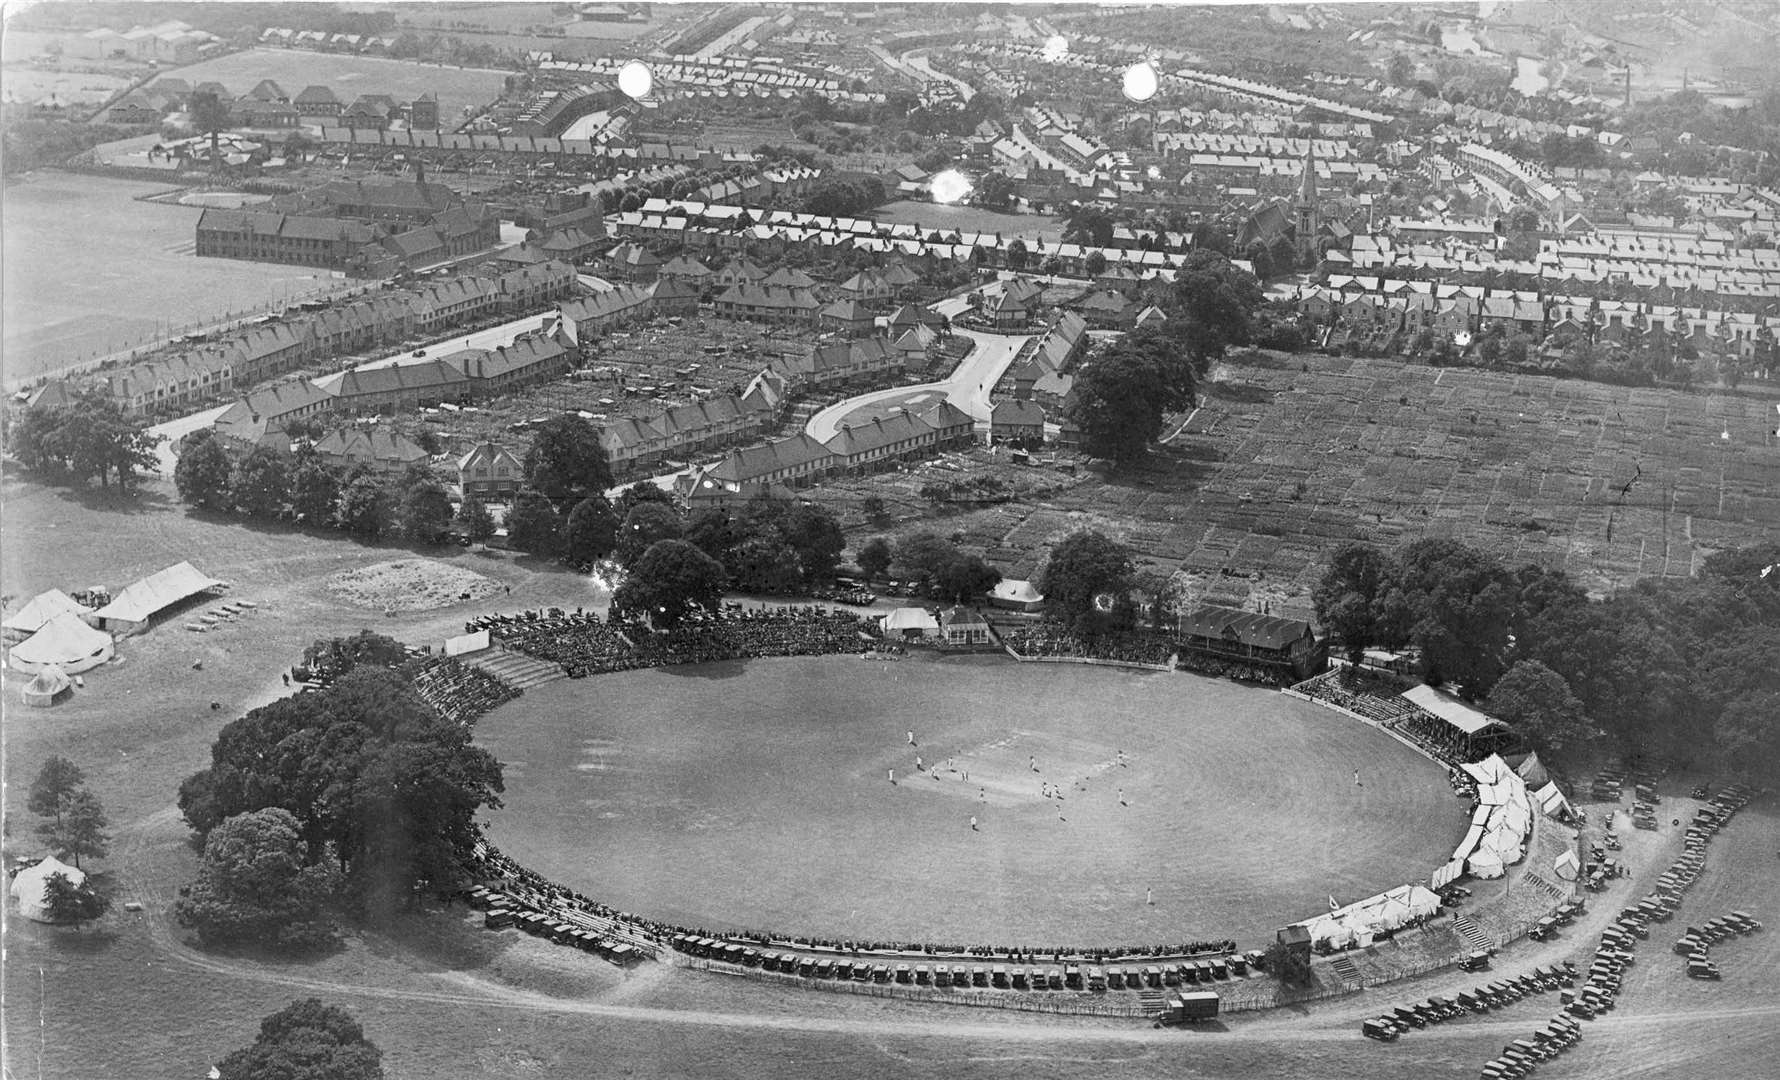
586,645
1118,646
523,890
1224,667
459,692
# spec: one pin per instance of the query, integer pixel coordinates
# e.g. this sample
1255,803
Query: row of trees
88,438
271,485
678,563
1683,669
360,792
936,565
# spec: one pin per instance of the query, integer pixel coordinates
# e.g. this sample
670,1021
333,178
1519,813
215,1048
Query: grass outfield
757,795
350,76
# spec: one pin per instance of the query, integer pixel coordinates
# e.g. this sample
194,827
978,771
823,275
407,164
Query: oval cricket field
758,795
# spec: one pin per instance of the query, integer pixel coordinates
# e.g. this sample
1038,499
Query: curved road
968,387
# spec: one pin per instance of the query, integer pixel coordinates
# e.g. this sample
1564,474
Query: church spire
1307,185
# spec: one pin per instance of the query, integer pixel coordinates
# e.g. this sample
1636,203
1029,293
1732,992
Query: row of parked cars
539,924
981,976
1696,943
1500,993
1563,916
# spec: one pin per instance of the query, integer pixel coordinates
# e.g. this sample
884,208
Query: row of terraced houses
381,319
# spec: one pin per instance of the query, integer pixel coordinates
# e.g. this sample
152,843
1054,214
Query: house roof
376,446
1017,412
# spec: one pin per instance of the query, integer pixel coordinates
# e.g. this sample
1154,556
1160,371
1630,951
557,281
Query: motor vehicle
1476,961
1407,1017
1381,1029
1192,1007
1702,970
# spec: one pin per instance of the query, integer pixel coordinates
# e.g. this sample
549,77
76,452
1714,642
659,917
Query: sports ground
758,795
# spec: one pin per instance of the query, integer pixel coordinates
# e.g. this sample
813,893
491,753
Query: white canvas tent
42,608
131,611
1567,865
1532,771
65,642
1552,802
49,684
907,623
28,887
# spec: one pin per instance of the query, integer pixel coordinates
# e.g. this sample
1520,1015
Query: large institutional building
368,227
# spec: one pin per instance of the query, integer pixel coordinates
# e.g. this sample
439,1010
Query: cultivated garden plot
1279,463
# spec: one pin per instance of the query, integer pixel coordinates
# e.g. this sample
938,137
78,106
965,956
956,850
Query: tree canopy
1211,307
66,902
1121,395
1086,580
533,523
75,820
668,582
645,524
1360,600
373,776
88,438
201,475
566,462
590,533
306,1040
258,884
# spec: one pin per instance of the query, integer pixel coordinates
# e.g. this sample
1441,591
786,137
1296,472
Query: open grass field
757,795
128,999
971,219
349,76
89,270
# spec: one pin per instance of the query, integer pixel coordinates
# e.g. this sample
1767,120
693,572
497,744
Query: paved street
968,387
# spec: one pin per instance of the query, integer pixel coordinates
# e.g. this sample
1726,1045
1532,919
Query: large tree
261,483
473,518
314,490
965,578
874,558
1538,701
201,475
424,511
566,461
258,884
367,507
66,902
56,784
1211,307
715,533
533,523
1463,604
1360,600
670,581
90,437
373,776
306,1040
590,532
923,555
1119,398
1087,579
80,828
646,524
